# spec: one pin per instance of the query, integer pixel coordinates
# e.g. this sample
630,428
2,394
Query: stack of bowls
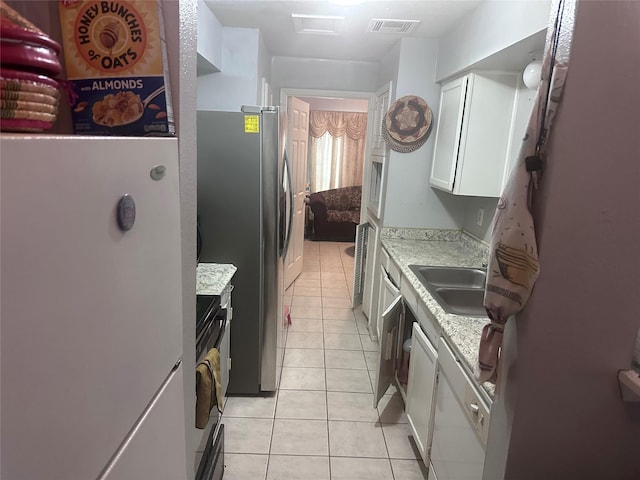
29,65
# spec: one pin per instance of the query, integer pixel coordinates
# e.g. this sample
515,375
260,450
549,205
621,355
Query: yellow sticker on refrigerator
251,124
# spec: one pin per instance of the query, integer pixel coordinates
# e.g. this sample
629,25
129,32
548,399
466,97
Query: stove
210,323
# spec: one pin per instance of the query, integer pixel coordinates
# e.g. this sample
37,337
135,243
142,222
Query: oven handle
205,336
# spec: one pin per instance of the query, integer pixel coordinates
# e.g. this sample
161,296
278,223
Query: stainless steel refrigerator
244,209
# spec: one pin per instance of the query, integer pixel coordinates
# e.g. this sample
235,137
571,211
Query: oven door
212,464
211,449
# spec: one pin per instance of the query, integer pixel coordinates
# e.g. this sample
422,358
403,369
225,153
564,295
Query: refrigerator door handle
290,220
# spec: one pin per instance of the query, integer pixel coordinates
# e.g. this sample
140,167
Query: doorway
304,182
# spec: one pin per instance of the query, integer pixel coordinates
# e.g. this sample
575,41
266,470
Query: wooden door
297,150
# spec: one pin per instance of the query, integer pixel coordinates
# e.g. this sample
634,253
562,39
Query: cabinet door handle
475,409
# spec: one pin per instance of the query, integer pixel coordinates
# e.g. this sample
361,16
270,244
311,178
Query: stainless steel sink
451,276
458,290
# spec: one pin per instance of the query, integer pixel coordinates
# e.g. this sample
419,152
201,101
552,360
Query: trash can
403,372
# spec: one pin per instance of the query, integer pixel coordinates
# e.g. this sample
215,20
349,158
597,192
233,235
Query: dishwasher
461,423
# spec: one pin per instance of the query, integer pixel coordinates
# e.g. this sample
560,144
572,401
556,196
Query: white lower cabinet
422,377
388,291
457,448
448,417
369,295
392,322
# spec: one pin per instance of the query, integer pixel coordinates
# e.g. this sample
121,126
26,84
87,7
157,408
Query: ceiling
273,18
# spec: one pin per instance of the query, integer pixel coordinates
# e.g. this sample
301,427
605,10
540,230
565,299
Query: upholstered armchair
336,213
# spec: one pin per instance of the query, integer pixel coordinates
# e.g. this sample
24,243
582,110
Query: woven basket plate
407,124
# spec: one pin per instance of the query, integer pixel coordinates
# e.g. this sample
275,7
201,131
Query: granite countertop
211,278
451,248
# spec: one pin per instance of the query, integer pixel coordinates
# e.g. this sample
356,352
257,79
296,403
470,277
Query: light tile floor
321,424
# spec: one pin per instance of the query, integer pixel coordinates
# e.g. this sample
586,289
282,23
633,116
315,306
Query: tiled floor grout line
275,411
326,397
324,264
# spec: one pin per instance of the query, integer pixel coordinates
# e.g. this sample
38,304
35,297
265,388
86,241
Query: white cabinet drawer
428,323
384,258
409,295
394,271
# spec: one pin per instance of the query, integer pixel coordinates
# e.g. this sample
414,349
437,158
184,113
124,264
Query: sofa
335,213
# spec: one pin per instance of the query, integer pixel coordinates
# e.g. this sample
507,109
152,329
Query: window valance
354,125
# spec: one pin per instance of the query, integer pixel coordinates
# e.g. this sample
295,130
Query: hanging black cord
533,163
542,136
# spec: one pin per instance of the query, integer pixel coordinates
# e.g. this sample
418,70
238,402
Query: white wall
388,67
412,66
523,107
264,67
489,30
237,83
491,27
410,202
469,219
560,387
209,39
318,74
337,104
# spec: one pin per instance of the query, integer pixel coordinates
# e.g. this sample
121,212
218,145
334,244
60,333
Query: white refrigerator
91,313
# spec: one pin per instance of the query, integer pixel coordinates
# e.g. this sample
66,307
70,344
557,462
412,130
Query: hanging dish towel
513,263
208,387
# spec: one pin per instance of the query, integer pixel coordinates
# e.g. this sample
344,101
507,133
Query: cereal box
115,57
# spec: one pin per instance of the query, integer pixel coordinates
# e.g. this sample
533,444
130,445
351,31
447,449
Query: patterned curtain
336,149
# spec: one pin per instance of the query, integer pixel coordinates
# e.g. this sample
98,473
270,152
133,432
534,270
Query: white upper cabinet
473,133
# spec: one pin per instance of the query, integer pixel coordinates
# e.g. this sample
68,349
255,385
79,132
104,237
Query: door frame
285,93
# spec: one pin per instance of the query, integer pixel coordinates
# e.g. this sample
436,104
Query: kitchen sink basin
461,301
451,276
458,290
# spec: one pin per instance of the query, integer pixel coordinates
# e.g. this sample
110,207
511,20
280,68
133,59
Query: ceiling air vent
391,25
317,24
